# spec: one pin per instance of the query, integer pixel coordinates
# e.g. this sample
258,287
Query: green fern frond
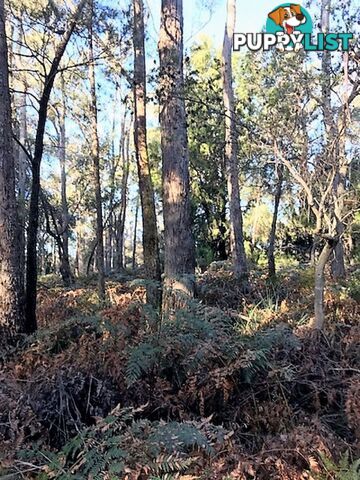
141,361
346,469
169,465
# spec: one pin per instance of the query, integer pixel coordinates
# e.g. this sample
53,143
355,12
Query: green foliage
172,434
142,360
206,148
257,223
354,286
286,261
122,442
346,469
195,339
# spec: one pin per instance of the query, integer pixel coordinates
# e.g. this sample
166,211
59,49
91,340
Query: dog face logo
289,28
289,18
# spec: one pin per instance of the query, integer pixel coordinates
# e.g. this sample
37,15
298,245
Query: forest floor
233,387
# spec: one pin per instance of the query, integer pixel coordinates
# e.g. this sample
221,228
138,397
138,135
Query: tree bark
179,243
31,263
65,268
95,155
135,234
11,313
272,236
332,144
120,221
338,262
22,168
236,220
319,319
110,233
80,251
150,235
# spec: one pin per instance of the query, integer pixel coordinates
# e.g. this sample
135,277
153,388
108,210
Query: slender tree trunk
111,234
80,251
179,243
254,226
338,262
22,167
236,220
329,154
42,267
222,253
120,221
65,268
11,314
21,163
135,234
332,143
319,319
31,263
107,258
272,236
95,154
150,235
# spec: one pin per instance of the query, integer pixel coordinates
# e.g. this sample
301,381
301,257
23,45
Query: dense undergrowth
234,387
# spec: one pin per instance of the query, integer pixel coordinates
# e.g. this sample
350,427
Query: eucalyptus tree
150,234
95,156
317,177
120,217
179,262
333,146
45,67
11,313
231,152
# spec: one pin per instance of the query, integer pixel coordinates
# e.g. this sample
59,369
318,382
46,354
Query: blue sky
251,16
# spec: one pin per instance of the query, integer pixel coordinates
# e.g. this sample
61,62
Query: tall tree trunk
108,248
179,243
95,154
80,250
120,221
332,141
42,255
31,263
110,238
330,156
11,314
222,253
272,236
135,234
338,264
150,235
254,226
236,220
65,268
22,168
